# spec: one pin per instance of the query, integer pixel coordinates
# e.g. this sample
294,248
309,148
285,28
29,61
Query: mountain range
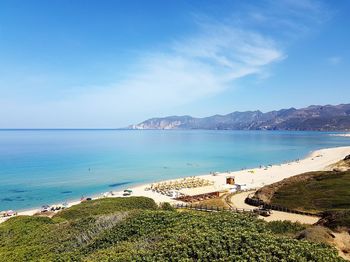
315,117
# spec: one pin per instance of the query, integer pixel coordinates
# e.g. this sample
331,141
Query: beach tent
10,213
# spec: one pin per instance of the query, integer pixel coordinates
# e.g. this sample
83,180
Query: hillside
325,192
134,229
314,191
321,118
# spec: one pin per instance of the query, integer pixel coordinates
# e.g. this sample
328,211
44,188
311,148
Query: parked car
265,212
45,208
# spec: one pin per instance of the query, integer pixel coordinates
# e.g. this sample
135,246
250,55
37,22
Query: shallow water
48,166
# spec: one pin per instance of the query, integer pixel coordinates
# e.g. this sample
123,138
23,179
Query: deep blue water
48,166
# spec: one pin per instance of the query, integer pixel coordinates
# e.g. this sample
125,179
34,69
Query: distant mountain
321,118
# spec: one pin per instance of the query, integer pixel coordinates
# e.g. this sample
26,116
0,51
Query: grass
325,191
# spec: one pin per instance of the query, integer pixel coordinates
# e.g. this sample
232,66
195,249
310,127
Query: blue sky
105,63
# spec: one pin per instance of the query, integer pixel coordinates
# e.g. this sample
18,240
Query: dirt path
237,201
342,242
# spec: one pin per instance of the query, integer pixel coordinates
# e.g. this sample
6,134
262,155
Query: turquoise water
48,166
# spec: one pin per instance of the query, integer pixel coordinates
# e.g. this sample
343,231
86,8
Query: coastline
252,178
342,134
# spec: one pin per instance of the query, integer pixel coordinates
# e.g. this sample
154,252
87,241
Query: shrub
120,233
285,227
336,219
106,206
191,236
167,206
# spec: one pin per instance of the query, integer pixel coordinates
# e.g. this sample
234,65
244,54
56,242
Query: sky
112,63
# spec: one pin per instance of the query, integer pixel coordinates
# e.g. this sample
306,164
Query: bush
133,230
336,219
106,206
191,236
285,227
166,206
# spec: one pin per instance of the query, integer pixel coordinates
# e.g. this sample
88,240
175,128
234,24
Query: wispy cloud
288,19
193,68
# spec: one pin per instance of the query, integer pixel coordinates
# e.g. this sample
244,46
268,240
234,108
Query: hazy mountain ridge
314,117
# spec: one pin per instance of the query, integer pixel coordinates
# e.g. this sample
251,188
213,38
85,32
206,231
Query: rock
347,158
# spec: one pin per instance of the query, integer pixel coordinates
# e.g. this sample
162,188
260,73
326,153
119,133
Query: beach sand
258,177
252,178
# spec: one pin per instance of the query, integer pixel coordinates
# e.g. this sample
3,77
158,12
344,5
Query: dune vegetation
321,191
135,229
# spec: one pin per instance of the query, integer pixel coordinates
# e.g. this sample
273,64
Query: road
237,200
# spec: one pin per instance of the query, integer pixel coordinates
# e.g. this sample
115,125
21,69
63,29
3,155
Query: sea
39,167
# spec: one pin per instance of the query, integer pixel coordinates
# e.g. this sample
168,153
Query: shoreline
253,178
341,135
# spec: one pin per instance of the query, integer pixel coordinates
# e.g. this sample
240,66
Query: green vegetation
336,219
133,229
324,191
33,238
167,206
106,206
285,227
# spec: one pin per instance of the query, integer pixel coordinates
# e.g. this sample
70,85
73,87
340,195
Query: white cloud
194,68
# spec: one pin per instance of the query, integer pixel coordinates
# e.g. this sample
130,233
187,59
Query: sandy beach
258,177
251,178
